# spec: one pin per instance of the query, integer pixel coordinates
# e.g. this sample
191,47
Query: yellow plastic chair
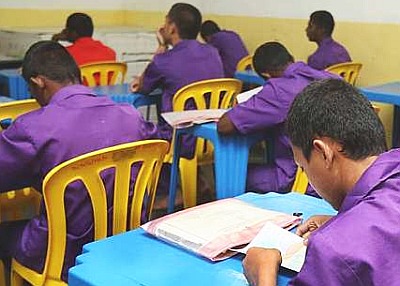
349,71
88,168
13,109
245,63
300,182
222,94
2,275
24,203
103,73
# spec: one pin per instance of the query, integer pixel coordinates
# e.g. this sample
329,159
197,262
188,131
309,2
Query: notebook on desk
212,230
182,119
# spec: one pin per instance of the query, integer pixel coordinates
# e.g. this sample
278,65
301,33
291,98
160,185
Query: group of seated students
332,132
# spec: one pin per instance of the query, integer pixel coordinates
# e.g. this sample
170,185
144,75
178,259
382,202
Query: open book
212,230
290,245
182,119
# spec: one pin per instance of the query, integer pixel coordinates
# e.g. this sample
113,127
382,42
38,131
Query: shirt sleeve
17,158
325,266
152,77
262,111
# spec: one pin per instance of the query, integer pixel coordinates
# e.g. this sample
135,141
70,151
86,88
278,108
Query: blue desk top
6,99
385,93
121,93
136,258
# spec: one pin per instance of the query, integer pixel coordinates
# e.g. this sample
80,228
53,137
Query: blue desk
231,153
14,84
387,93
122,93
249,76
136,258
5,99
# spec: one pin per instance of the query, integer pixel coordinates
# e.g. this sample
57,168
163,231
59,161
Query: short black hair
80,23
209,28
271,56
323,19
187,19
52,60
335,109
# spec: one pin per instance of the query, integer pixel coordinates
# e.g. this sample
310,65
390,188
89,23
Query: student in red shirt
84,49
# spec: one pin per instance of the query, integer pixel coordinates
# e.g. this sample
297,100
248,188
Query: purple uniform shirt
360,245
329,53
74,122
266,112
187,62
231,49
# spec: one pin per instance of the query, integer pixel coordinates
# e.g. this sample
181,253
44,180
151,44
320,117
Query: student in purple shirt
72,121
228,43
340,142
186,62
266,113
329,52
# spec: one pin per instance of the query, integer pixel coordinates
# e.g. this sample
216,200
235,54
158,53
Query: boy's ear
39,81
325,150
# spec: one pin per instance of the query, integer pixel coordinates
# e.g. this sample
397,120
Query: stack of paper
182,119
213,229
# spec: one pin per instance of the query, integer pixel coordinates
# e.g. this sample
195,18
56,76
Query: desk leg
396,127
230,168
173,183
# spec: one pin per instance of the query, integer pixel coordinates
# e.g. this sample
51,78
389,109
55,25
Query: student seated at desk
71,122
186,62
228,43
340,142
266,112
329,52
84,49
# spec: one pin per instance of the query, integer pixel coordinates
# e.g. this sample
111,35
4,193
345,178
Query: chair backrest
103,73
13,109
300,182
245,63
207,94
87,168
349,71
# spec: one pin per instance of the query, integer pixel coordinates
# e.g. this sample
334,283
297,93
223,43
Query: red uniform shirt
85,50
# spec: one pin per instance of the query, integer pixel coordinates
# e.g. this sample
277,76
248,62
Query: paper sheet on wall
290,245
182,119
212,229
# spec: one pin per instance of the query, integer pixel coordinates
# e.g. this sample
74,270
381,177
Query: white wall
65,4
379,11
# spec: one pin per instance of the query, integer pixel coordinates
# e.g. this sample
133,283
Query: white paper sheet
290,245
182,119
244,96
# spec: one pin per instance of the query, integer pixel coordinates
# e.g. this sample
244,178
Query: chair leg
188,173
16,280
2,274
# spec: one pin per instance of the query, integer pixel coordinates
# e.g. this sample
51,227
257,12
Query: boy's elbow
225,125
